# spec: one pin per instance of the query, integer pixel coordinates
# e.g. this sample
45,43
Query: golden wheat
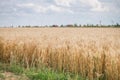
91,52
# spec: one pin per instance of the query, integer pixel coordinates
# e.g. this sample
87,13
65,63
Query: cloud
59,9
57,6
37,8
43,9
64,2
95,5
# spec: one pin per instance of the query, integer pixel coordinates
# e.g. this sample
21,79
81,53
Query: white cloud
69,6
55,8
100,9
44,9
26,5
64,2
95,5
37,8
59,9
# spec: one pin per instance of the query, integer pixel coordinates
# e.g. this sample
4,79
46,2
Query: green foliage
15,69
45,75
71,25
2,76
75,25
49,74
39,74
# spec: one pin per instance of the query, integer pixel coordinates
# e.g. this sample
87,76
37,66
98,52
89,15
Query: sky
49,12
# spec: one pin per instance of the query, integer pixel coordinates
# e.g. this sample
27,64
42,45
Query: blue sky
48,12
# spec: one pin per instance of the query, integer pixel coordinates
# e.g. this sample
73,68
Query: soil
12,76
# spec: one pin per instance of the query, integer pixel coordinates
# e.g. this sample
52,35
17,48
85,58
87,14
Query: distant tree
108,25
55,26
23,26
89,25
80,25
19,26
117,25
92,25
36,26
96,25
75,25
69,25
100,23
46,26
28,26
62,25
11,26
84,25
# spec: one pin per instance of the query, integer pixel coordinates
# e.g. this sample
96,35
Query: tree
62,25
19,26
75,25
80,25
117,25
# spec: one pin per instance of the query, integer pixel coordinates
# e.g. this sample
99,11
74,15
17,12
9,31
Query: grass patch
2,77
16,69
11,68
49,74
39,74
46,75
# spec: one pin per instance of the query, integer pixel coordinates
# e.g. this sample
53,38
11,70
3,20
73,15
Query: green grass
48,74
11,68
39,74
2,76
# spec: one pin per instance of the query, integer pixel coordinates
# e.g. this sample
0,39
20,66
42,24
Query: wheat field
90,52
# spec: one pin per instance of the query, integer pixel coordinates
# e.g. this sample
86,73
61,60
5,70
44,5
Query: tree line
70,25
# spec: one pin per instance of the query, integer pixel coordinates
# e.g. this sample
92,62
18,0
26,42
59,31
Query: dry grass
90,52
